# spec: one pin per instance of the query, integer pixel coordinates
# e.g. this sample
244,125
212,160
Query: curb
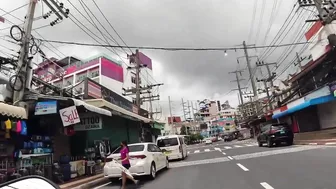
314,143
92,184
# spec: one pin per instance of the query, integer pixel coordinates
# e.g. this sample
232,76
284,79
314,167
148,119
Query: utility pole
192,108
137,80
171,115
238,83
250,71
23,56
185,115
267,92
271,75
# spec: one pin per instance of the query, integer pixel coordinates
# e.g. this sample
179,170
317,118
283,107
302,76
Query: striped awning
12,111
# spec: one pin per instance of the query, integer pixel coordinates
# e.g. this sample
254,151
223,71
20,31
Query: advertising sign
46,107
69,116
89,122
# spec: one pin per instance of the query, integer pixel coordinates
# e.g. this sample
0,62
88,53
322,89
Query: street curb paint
92,184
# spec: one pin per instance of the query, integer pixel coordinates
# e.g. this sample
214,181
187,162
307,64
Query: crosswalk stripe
249,145
196,151
207,150
237,146
227,147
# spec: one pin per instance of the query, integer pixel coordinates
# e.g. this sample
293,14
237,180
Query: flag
2,19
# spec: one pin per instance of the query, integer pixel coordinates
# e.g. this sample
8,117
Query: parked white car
208,141
146,160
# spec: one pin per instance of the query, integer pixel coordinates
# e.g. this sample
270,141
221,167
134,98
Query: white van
173,146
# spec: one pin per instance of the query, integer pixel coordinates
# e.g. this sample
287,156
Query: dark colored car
275,133
227,137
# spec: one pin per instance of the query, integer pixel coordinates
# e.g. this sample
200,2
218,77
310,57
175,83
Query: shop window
94,73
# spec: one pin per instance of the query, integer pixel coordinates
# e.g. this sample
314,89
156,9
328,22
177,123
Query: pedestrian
124,154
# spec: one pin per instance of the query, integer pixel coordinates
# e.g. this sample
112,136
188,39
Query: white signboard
89,122
69,116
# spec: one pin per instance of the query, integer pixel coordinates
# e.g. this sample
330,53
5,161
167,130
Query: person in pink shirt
124,155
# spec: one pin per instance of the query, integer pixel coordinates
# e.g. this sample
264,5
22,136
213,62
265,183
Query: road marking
330,143
218,149
275,152
237,146
266,185
231,158
249,145
207,150
198,162
196,151
312,143
188,152
102,185
224,153
242,167
227,147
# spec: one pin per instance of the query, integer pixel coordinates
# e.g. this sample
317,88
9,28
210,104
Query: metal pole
23,56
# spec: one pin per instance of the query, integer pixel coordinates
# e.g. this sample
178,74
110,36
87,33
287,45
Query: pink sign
69,116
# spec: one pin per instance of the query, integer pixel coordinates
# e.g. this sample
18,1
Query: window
157,149
132,148
167,142
94,73
151,148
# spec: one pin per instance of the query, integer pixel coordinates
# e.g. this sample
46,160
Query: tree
183,130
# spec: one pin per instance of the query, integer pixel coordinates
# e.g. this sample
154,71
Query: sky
192,75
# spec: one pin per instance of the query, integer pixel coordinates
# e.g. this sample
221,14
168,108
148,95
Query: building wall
327,115
308,119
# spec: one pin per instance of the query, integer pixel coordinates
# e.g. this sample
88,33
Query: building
69,73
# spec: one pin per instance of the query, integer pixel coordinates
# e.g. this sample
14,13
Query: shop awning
103,103
311,102
12,111
91,108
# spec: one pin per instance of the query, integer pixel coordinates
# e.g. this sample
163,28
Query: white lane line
224,153
207,150
227,147
196,151
102,185
242,167
266,185
330,143
231,158
218,149
237,146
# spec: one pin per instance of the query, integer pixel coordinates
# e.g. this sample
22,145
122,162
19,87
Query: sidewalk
323,137
86,182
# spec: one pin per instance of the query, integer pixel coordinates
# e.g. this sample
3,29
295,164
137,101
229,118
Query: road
242,164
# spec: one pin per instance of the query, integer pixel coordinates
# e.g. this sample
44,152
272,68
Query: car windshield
167,142
278,127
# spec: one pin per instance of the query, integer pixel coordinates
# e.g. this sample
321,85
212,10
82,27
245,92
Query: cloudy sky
192,75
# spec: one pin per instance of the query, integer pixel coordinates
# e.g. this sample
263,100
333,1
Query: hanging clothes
8,124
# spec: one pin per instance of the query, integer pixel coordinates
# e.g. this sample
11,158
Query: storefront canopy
13,111
311,102
116,109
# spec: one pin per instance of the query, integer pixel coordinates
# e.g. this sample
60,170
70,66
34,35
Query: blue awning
311,102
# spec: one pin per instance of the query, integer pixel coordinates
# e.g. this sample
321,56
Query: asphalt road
245,165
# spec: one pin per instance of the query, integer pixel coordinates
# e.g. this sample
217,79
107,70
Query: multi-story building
69,73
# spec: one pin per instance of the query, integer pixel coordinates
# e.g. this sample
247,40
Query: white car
173,146
146,159
208,141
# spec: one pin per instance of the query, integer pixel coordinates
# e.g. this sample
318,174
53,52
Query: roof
308,67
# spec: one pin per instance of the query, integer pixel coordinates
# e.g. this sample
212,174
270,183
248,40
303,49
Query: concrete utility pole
171,115
23,56
184,112
238,83
193,113
267,92
137,80
254,88
271,75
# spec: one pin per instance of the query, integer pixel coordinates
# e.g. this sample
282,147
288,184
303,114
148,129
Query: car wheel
269,143
152,171
260,144
167,163
290,142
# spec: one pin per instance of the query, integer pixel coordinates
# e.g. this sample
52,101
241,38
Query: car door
183,146
162,156
154,154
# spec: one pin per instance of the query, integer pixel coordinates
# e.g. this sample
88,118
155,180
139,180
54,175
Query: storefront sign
46,107
92,91
89,122
69,116
324,91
